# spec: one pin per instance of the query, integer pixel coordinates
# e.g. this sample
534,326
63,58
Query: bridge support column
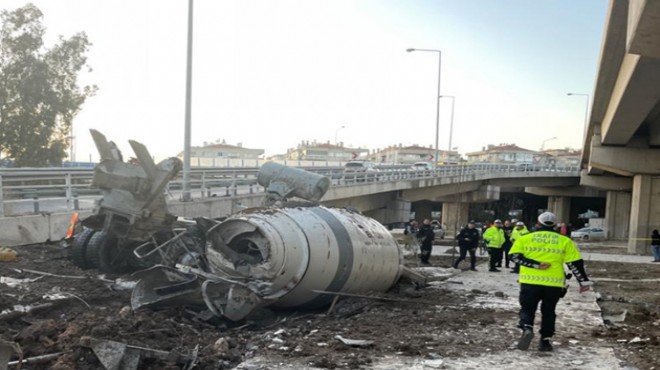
454,215
641,219
617,214
561,207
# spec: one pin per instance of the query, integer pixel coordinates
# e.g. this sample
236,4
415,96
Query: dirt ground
93,307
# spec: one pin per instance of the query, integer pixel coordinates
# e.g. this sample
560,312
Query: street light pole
544,141
437,108
186,137
451,122
337,133
586,113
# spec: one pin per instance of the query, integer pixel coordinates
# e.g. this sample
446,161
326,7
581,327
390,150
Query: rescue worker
494,237
426,235
468,241
516,233
542,255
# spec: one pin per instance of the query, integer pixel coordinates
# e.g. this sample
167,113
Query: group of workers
538,257
499,239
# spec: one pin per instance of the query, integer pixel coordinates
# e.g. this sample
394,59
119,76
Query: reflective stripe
544,279
543,249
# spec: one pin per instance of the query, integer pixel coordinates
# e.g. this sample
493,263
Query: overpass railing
34,190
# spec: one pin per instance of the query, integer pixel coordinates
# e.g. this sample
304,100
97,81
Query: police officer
508,228
468,241
426,234
516,233
494,236
541,256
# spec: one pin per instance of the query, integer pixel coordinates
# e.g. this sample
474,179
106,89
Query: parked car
588,233
422,166
360,170
438,230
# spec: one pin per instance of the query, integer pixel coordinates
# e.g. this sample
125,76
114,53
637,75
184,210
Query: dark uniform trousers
425,251
530,296
463,253
495,255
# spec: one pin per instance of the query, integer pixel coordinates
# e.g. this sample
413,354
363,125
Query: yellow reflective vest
549,247
516,234
494,236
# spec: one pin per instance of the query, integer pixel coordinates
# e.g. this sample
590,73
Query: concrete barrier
33,229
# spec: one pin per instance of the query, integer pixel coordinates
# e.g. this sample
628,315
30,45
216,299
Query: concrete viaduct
389,199
621,141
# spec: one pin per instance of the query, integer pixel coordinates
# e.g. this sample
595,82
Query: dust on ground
427,325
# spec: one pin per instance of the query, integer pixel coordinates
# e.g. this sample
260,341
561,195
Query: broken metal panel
165,286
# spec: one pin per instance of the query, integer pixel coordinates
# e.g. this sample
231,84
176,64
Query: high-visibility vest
549,247
495,237
515,234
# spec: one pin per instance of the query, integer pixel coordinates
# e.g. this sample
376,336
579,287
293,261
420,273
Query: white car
438,230
588,233
360,170
422,166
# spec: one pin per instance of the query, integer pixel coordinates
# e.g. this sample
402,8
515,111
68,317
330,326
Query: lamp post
186,137
586,112
451,122
437,109
544,141
337,133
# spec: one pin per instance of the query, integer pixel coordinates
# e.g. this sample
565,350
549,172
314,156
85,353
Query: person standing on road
655,245
409,235
468,241
516,233
541,256
494,236
507,228
426,234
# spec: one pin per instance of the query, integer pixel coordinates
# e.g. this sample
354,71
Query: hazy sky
272,73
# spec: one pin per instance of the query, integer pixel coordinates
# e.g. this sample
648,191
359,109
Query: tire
585,238
79,248
104,254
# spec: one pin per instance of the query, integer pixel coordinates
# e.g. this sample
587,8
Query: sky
270,74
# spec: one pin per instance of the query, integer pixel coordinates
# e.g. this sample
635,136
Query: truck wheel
105,254
79,248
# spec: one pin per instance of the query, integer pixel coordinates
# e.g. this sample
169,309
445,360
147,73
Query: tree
39,92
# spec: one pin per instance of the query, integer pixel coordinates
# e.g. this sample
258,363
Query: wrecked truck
277,256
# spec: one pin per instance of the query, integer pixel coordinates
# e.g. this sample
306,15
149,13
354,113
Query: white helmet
547,219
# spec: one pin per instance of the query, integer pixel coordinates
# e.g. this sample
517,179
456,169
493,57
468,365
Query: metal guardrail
33,190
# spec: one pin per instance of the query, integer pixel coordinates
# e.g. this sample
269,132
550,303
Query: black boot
545,345
525,338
